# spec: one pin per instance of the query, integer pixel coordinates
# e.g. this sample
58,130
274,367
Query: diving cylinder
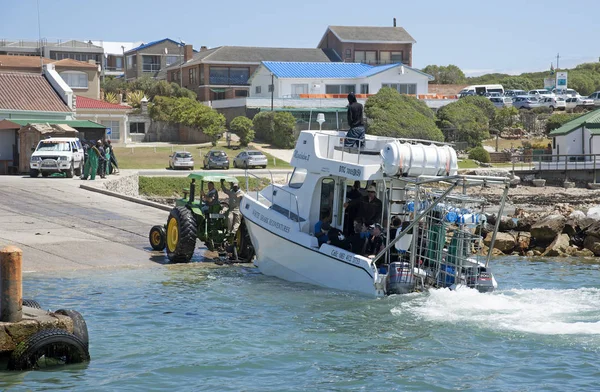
413,160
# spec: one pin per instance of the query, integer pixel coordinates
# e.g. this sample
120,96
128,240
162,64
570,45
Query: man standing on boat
235,198
356,135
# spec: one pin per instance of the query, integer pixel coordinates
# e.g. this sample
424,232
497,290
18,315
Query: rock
568,184
558,247
583,253
539,183
514,181
523,241
594,213
529,253
571,227
507,224
529,178
563,209
524,224
577,215
592,230
505,242
537,253
592,243
545,230
6,342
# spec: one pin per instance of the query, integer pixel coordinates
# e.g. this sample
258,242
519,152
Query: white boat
416,181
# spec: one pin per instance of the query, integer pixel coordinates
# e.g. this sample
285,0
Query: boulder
546,229
558,247
583,253
523,241
571,227
592,243
594,213
507,224
593,229
577,215
529,253
524,224
505,242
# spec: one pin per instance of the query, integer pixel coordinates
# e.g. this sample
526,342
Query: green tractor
191,218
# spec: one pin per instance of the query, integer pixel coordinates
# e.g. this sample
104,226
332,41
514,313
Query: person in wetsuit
356,135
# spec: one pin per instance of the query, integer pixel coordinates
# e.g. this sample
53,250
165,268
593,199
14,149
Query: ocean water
192,328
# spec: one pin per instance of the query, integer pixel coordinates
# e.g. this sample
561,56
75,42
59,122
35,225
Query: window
270,88
339,88
239,75
359,56
115,129
217,95
151,63
224,75
385,57
348,53
219,75
201,75
364,88
75,79
257,89
371,57
172,60
119,63
402,88
298,89
131,61
192,76
327,190
241,93
297,178
137,127
396,57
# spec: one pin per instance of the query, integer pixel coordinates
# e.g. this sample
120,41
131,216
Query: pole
272,91
180,66
557,58
124,65
40,38
11,284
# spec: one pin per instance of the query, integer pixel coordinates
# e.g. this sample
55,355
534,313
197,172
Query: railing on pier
556,162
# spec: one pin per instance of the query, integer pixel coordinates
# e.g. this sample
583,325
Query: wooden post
11,284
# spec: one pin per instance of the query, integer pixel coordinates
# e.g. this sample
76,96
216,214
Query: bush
479,154
466,120
482,103
284,135
395,115
243,127
263,126
557,120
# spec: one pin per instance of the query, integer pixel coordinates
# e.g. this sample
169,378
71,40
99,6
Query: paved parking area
62,227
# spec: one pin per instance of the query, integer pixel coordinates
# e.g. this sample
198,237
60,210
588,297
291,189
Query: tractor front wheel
181,235
158,238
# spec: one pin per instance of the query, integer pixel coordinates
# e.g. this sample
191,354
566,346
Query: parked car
57,155
574,102
514,93
596,97
501,102
526,102
249,159
554,103
566,93
216,159
181,160
493,94
541,93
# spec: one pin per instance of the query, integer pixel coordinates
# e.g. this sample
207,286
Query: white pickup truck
57,155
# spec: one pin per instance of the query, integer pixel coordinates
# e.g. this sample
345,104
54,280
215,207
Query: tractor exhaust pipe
192,190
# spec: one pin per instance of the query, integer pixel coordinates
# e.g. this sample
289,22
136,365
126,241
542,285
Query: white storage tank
413,160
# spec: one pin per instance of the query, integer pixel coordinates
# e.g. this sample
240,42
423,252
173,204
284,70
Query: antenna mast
40,39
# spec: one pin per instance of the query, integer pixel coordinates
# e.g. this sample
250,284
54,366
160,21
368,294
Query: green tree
446,74
517,83
486,106
505,118
466,120
162,88
557,120
243,127
113,85
284,135
264,126
395,115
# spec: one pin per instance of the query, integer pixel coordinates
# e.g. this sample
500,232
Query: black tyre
80,329
79,170
157,237
181,235
71,171
45,174
49,347
30,303
244,248
234,164
34,173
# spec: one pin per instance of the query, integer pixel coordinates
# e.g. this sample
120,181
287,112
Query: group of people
212,204
99,159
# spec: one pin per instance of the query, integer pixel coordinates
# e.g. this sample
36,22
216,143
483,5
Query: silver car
501,102
248,159
181,160
526,102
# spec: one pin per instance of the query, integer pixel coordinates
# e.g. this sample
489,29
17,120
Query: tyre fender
80,329
30,303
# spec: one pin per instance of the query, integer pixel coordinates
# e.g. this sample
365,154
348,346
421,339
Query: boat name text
302,156
350,171
271,222
349,257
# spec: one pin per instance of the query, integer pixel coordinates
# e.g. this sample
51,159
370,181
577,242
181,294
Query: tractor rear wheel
244,249
181,235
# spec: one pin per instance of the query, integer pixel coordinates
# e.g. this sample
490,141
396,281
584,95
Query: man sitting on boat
335,237
356,135
319,233
368,207
358,239
376,241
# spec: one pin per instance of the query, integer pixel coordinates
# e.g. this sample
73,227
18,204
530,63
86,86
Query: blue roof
324,70
144,46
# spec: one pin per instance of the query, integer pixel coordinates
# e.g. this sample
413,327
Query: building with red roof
113,116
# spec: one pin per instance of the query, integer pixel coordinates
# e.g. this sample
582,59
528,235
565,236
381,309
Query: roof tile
372,33
31,92
90,103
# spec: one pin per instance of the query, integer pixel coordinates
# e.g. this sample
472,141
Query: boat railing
258,194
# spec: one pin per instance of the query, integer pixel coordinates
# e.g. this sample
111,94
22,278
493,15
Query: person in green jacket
91,167
107,153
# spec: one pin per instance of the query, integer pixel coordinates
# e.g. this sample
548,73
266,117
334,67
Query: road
62,227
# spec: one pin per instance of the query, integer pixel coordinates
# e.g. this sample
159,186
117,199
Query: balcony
150,67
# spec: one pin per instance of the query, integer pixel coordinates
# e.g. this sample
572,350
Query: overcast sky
477,35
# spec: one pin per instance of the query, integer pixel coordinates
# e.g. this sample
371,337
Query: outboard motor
400,278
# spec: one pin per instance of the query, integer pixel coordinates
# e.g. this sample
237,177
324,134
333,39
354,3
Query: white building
577,137
333,80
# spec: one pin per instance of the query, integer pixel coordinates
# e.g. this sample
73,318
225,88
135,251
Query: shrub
284,135
395,115
263,126
466,120
557,120
243,127
486,106
479,154
134,98
111,98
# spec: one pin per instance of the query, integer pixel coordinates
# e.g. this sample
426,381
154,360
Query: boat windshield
297,178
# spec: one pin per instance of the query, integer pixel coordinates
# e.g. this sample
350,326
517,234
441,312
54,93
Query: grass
173,186
467,164
158,157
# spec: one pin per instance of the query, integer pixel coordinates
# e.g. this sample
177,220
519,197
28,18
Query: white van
57,155
481,89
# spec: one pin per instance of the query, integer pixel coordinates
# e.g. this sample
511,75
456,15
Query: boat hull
279,257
